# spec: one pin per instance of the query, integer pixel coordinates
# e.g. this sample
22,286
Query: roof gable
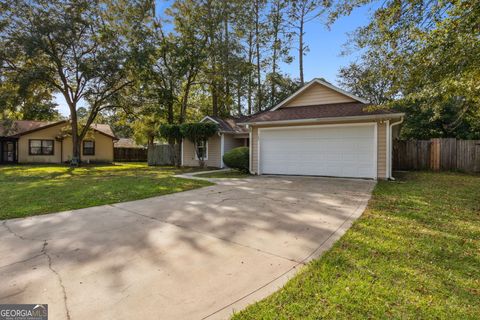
318,92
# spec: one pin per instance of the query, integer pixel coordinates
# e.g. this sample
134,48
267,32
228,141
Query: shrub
237,158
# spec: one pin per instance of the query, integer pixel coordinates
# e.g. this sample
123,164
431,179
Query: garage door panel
327,151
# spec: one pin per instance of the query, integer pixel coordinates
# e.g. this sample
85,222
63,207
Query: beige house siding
317,94
103,147
214,153
45,134
381,150
230,142
381,143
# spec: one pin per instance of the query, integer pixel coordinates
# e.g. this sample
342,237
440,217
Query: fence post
435,154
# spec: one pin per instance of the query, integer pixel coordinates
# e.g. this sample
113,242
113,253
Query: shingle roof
104,128
230,124
12,128
335,110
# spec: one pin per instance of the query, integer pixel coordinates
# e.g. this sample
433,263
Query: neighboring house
322,130
229,136
49,142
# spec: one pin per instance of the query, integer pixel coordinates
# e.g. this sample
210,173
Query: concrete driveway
191,255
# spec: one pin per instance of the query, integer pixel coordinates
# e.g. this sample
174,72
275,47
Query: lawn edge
279,282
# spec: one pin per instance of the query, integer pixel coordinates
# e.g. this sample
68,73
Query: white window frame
206,151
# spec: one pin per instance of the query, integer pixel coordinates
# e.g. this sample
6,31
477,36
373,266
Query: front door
9,150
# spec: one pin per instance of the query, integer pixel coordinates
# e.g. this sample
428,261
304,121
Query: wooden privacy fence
130,154
437,154
161,154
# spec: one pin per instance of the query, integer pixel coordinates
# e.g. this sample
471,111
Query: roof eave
328,119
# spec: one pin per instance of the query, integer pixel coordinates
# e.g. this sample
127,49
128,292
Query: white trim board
250,153
209,118
388,155
222,149
322,126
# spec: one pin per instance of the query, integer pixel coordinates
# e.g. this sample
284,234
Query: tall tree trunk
300,51
76,156
170,114
186,94
239,97
226,57
214,93
257,45
275,23
250,77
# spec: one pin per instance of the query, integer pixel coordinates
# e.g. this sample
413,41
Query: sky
324,58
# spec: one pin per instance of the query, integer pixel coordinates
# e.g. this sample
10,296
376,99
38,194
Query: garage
347,150
322,130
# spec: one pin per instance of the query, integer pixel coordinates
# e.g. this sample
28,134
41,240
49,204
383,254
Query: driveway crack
44,252
59,277
16,234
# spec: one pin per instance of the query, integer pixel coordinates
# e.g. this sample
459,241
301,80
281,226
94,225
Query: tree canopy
422,57
138,67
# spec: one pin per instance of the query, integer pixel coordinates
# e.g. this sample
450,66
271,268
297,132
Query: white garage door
339,151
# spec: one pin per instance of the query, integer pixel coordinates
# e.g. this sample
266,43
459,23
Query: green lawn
224,174
27,190
414,254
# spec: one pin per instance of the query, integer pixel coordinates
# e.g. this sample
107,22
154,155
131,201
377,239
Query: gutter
329,119
390,146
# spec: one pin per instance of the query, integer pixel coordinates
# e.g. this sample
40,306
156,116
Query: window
40,147
88,148
202,149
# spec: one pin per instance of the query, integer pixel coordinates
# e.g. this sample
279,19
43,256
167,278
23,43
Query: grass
414,254
224,174
27,190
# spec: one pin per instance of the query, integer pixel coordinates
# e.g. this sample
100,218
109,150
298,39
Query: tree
199,133
363,80
421,57
279,34
285,87
71,47
23,99
300,13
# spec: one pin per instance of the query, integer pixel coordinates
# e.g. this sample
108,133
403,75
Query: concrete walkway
193,255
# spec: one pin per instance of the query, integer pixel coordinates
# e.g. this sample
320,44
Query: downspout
222,149
249,148
390,147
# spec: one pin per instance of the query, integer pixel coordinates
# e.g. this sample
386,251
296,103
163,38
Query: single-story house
230,135
24,141
319,130
322,130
